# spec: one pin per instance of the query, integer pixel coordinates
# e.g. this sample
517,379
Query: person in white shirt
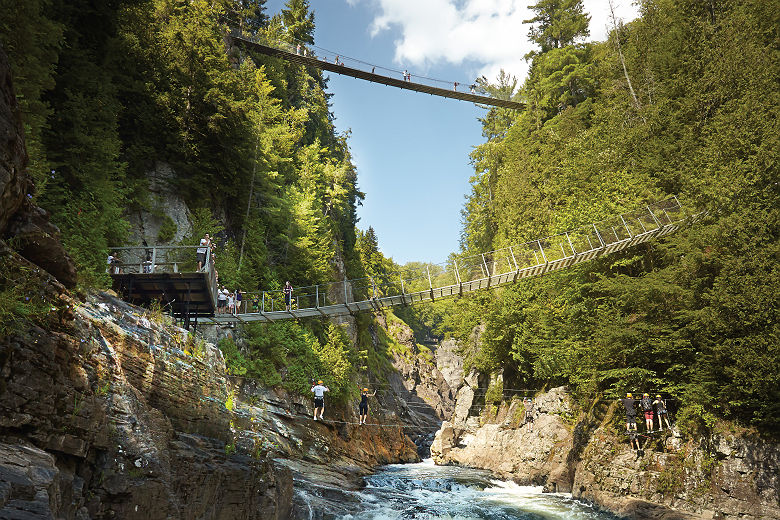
319,398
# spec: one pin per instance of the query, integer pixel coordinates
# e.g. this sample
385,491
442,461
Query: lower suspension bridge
168,275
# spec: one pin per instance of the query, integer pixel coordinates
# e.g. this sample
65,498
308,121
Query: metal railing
426,282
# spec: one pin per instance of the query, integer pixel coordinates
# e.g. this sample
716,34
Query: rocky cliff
728,475
108,412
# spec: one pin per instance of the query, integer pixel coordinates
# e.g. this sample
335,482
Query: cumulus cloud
483,35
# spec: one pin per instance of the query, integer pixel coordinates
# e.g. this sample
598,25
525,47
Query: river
425,491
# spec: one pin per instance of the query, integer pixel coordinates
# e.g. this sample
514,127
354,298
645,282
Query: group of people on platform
229,302
651,409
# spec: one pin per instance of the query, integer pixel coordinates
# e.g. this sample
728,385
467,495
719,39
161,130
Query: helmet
658,396
365,389
646,394
319,382
629,394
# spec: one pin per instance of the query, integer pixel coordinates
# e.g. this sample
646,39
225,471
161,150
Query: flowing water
427,492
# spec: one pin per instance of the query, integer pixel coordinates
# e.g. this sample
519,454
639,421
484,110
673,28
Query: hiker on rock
647,408
660,411
319,398
629,403
363,406
528,404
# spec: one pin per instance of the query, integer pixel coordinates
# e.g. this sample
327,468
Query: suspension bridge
467,274
333,62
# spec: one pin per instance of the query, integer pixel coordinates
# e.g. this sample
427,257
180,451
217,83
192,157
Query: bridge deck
354,72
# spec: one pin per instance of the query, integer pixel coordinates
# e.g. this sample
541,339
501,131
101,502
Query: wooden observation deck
167,275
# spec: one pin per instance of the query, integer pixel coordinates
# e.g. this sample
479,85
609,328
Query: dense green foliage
296,352
111,90
696,315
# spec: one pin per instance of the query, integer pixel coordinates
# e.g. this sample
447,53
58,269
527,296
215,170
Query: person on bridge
288,290
201,251
319,398
660,411
629,403
113,263
647,408
363,406
231,302
633,440
298,50
528,404
221,300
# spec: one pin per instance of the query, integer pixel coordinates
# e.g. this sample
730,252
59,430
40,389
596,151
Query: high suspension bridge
340,64
167,274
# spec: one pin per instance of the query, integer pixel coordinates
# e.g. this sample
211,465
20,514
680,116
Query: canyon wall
726,475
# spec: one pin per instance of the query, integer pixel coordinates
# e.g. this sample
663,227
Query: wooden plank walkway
311,61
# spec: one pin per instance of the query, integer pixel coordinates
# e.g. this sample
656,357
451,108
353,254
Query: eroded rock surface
109,412
528,451
725,477
736,478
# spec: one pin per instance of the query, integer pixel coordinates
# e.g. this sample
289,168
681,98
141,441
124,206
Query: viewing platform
169,276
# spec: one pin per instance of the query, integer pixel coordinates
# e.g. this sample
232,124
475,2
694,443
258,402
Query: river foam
427,492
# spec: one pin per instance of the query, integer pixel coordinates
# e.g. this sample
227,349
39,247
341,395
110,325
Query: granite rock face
167,203
531,448
110,416
724,477
108,411
34,236
730,476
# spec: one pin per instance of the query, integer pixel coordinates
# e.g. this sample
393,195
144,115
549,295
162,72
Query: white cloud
483,35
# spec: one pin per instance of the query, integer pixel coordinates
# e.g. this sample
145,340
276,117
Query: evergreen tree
299,21
557,23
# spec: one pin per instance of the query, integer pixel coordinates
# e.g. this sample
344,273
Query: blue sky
411,149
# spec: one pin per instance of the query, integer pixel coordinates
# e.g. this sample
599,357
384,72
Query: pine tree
558,23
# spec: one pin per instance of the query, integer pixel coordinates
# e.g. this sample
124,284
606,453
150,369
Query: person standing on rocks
660,411
528,404
319,398
647,407
363,406
629,403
